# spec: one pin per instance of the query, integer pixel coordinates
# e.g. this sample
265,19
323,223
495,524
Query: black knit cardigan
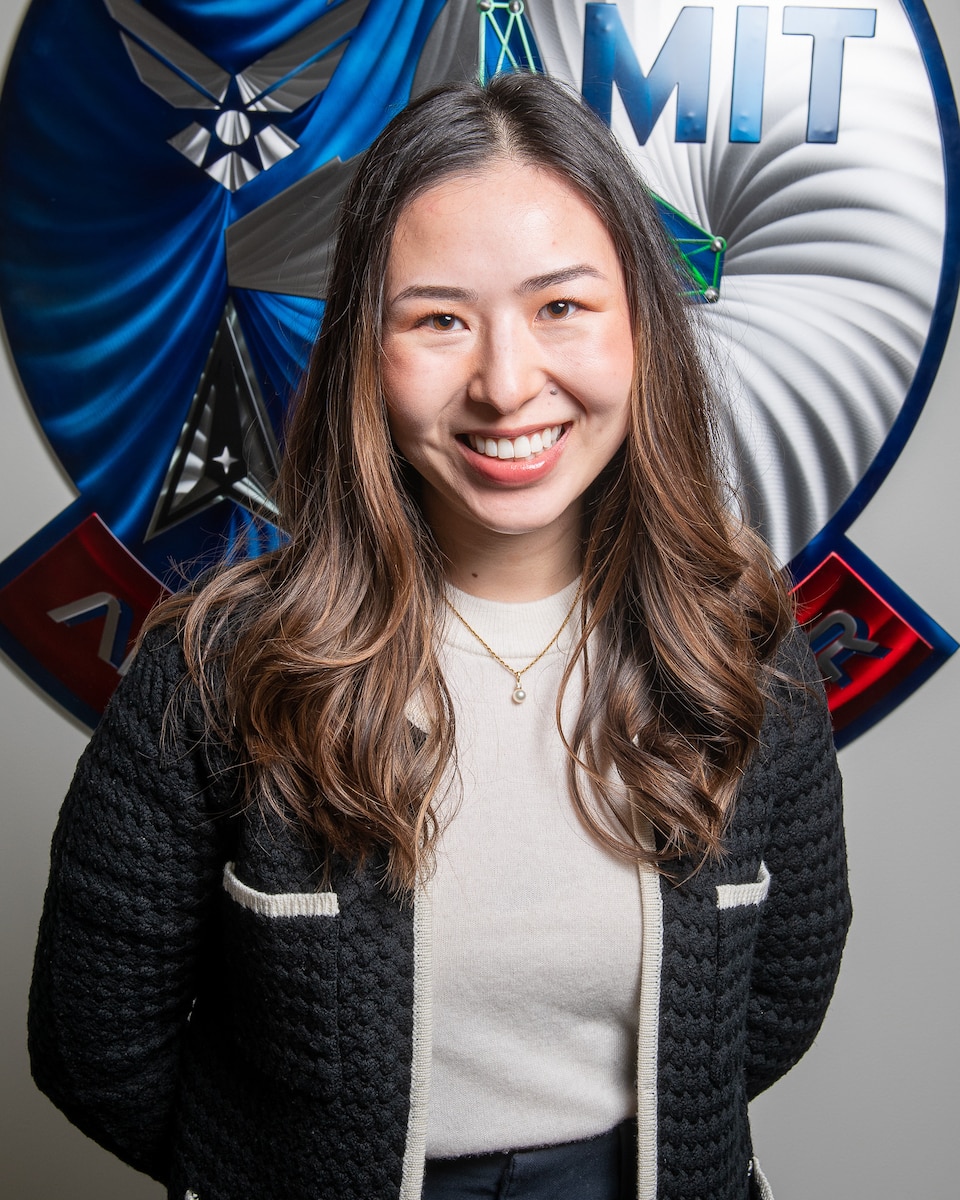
238,1044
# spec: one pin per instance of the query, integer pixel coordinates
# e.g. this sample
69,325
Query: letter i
749,64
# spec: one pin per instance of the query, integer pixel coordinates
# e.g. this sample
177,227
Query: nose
509,369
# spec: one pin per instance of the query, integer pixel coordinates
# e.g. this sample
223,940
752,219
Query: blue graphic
749,69
506,42
171,175
133,140
609,59
829,28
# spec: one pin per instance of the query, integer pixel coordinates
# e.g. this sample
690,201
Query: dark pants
600,1168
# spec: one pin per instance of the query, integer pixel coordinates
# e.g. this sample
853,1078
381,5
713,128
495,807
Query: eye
556,310
442,321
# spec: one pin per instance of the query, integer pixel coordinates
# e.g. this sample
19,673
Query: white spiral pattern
834,251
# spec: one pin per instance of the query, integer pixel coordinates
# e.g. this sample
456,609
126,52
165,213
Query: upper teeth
520,447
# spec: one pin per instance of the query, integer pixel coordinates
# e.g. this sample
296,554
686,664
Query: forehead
508,212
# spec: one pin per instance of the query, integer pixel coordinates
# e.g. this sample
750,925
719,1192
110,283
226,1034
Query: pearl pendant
519,695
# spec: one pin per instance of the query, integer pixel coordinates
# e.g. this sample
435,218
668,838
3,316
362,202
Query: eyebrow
540,283
435,291
536,283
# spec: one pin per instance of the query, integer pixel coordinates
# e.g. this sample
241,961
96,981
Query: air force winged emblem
237,133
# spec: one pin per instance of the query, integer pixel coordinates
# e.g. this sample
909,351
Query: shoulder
795,695
191,635
156,675
795,756
795,660
160,655
156,714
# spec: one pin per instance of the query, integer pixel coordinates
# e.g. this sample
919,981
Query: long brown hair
307,659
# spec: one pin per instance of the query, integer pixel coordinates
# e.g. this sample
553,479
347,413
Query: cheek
614,385
417,394
393,371
411,427
606,365
623,370
399,395
402,424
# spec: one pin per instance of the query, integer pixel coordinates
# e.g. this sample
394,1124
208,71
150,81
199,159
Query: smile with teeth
518,447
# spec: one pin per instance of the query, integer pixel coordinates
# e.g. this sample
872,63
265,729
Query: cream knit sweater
537,928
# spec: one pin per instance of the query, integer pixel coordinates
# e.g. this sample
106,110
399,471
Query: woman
493,821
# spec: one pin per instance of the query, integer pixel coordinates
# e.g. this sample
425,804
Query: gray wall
872,1110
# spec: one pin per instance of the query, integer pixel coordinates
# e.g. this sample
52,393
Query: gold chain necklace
519,695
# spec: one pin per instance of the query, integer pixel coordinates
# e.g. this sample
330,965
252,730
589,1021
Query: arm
806,915
135,861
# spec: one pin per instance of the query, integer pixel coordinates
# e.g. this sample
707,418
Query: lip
512,433
514,471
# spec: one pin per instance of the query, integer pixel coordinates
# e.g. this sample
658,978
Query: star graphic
227,410
225,459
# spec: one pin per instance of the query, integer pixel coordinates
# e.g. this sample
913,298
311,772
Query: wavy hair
307,659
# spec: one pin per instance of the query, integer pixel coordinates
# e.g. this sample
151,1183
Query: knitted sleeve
807,912
135,861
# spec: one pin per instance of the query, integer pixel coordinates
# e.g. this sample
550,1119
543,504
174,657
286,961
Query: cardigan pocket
280,985
738,910
739,895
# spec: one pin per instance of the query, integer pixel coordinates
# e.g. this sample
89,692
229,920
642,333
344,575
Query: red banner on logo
78,610
864,647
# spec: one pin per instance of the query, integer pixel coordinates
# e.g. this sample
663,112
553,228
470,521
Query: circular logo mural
172,171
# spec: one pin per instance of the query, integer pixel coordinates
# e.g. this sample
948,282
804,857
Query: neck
513,568
512,582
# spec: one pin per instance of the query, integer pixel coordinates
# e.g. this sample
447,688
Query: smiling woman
511,401
369,929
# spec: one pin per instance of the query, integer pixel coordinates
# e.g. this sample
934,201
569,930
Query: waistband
597,1168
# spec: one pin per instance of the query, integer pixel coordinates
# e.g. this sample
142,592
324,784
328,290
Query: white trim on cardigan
762,1184
279,904
415,1150
738,895
648,1040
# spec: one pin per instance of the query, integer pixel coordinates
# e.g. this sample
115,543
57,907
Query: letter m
683,63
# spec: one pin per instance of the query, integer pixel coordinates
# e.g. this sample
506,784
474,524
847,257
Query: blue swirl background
113,274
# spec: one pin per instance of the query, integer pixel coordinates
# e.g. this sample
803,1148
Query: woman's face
507,352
